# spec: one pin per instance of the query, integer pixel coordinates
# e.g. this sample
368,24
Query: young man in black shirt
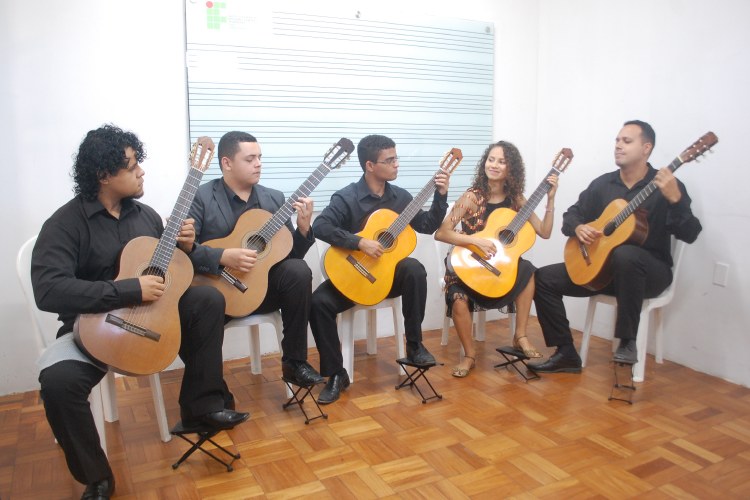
74,263
217,207
640,271
336,225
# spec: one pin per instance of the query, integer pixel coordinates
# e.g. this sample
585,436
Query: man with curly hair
74,263
347,213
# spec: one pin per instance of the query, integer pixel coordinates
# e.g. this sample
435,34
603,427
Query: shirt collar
93,207
363,190
232,196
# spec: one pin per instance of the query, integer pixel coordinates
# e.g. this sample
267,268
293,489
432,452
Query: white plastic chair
103,397
346,330
252,323
650,306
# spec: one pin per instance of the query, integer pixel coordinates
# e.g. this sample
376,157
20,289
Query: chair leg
160,411
109,397
371,328
479,325
591,310
347,341
398,331
658,335
641,342
255,366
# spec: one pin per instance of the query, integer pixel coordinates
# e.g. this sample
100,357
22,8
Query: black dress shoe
300,373
336,383
100,490
419,355
218,420
558,363
627,352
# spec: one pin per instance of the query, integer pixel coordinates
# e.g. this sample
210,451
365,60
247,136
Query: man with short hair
639,271
347,213
216,209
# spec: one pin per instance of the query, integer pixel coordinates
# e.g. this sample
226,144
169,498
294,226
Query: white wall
561,69
684,67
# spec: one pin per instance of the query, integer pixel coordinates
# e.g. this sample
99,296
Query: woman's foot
522,344
464,367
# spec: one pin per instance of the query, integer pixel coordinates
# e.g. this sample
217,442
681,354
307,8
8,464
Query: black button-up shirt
663,217
350,207
76,258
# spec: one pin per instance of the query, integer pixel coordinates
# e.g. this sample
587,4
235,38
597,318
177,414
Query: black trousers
638,275
409,282
66,385
290,289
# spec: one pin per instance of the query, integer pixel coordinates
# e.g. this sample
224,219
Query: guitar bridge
360,268
234,281
132,328
485,264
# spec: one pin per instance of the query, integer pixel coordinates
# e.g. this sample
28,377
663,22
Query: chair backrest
312,258
45,324
441,250
321,246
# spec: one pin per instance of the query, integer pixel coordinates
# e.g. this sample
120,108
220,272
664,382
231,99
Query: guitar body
493,277
130,353
595,271
240,303
361,278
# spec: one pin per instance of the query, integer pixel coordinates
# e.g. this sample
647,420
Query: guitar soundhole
153,271
256,243
609,229
386,239
506,237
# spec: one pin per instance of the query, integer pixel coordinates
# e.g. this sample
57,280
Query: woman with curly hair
498,183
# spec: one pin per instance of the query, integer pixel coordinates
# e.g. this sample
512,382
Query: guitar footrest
622,392
514,356
204,434
417,372
305,390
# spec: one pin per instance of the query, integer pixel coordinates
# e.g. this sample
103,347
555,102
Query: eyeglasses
389,161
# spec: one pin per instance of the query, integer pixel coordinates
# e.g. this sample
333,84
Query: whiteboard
298,81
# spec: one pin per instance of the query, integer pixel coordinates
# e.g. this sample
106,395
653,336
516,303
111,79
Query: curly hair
515,180
102,153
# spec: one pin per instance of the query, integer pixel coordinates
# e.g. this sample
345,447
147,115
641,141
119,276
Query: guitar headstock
562,160
696,149
338,154
450,160
201,153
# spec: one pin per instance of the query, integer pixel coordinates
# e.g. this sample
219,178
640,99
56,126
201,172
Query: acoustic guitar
144,339
512,235
620,222
259,230
367,280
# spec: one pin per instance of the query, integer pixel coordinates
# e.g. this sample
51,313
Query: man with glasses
347,213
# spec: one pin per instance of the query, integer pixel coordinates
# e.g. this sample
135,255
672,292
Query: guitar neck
638,200
167,243
284,213
523,215
403,220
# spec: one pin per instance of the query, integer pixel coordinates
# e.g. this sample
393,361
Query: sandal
463,372
530,351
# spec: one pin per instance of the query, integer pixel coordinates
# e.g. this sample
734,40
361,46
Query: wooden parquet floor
687,435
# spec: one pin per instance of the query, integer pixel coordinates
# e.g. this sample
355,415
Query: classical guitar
145,338
259,230
620,222
512,235
367,280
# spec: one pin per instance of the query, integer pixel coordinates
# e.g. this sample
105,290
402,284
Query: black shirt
663,217
350,207
76,257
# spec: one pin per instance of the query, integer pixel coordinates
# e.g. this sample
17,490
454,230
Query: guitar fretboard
523,215
389,236
631,207
167,243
